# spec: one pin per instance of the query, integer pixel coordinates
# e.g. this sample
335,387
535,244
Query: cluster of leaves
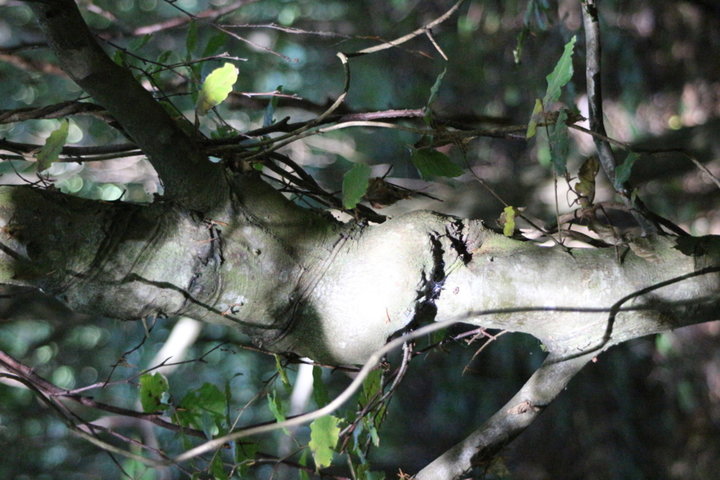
208,409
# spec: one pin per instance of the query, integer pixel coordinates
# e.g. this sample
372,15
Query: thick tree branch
187,175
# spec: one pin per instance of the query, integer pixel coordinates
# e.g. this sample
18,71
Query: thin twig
415,33
211,13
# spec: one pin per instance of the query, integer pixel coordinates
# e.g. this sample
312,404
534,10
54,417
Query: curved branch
415,33
189,178
510,421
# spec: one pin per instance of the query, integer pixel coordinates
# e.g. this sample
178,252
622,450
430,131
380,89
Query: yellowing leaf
532,126
216,87
50,152
585,187
324,434
509,216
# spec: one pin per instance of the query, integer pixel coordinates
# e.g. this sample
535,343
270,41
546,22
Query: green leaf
119,57
152,388
215,45
281,372
558,78
320,394
362,472
561,74
622,172
137,43
372,429
559,143
433,95
435,88
216,87
191,39
164,57
431,163
244,456
372,385
509,216
50,152
204,408
218,468
324,434
276,408
302,474
355,184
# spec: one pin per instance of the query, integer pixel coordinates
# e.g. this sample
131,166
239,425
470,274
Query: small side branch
593,74
511,420
594,86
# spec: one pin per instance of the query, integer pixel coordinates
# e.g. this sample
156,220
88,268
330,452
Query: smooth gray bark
298,281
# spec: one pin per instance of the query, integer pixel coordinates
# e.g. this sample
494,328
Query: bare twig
593,74
209,14
52,391
415,33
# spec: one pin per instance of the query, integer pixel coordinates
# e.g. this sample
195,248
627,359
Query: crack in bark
458,241
434,282
431,286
